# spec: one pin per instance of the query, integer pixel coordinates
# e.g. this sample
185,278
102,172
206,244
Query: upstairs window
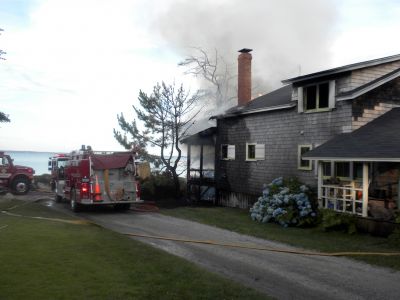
316,97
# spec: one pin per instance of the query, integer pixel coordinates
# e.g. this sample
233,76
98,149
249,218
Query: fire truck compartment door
116,185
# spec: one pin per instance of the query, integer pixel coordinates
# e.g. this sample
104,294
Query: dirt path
283,276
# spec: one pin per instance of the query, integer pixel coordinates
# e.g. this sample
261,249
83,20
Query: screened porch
359,171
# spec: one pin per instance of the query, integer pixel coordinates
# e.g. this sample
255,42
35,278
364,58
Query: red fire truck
85,178
14,178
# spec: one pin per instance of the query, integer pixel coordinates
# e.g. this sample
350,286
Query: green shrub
287,202
394,237
160,186
41,181
331,221
45,179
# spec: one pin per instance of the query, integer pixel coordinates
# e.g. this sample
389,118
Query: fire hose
210,242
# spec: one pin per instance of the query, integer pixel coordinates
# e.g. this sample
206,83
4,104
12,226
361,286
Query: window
358,170
255,151
316,97
303,164
224,151
4,161
342,169
251,151
327,169
227,152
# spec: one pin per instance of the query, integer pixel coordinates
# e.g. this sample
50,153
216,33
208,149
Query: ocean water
39,161
36,160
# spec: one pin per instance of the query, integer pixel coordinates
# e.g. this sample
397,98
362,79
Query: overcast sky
73,65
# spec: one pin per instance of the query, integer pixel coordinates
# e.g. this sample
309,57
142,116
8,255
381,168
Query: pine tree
3,116
166,116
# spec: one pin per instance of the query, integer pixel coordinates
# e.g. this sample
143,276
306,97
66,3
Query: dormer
319,92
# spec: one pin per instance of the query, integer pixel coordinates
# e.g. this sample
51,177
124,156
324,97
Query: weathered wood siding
375,103
362,76
281,132
241,181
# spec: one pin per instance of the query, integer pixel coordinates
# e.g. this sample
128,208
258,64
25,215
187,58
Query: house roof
368,86
277,99
379,140
346,68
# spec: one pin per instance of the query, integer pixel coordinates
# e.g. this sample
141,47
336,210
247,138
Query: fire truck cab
14,178
88,178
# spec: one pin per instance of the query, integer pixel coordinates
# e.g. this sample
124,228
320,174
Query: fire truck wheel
20,185
75,207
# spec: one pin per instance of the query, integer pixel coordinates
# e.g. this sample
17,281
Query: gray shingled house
342,118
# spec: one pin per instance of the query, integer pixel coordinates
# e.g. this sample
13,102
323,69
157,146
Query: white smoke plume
289,37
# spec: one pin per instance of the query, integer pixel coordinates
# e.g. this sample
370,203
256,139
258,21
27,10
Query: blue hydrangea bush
286,202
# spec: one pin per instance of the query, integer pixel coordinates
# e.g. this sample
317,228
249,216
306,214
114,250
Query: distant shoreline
30,151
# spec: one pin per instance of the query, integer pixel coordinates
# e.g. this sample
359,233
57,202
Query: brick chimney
244,76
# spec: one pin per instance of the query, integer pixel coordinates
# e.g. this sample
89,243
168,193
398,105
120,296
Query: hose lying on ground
213,243
255,247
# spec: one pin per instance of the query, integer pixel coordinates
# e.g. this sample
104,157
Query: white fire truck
85,178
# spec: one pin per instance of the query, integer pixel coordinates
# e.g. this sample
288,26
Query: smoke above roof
289,37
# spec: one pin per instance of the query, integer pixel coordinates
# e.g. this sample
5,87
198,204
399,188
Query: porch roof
203,137
379,140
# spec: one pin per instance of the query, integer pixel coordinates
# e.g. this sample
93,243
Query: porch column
320,182
365,190
188,162
201,163
398,189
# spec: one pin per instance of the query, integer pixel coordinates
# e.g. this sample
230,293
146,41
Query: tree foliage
3,116
1,51
165,116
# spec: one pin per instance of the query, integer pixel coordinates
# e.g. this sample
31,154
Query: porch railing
342,198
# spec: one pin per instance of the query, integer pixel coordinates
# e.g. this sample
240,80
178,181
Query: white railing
342,198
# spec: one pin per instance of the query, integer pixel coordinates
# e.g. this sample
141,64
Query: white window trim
302,101
332,163
299,166
247,151
259,152
350,177
230,152
334,174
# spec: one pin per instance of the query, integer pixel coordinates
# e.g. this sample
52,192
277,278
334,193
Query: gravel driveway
283,276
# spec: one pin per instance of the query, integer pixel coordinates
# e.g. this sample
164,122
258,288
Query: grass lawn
312,238
41,259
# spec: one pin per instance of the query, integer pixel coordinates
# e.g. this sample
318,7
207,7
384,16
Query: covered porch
358,172
358,187
201,165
